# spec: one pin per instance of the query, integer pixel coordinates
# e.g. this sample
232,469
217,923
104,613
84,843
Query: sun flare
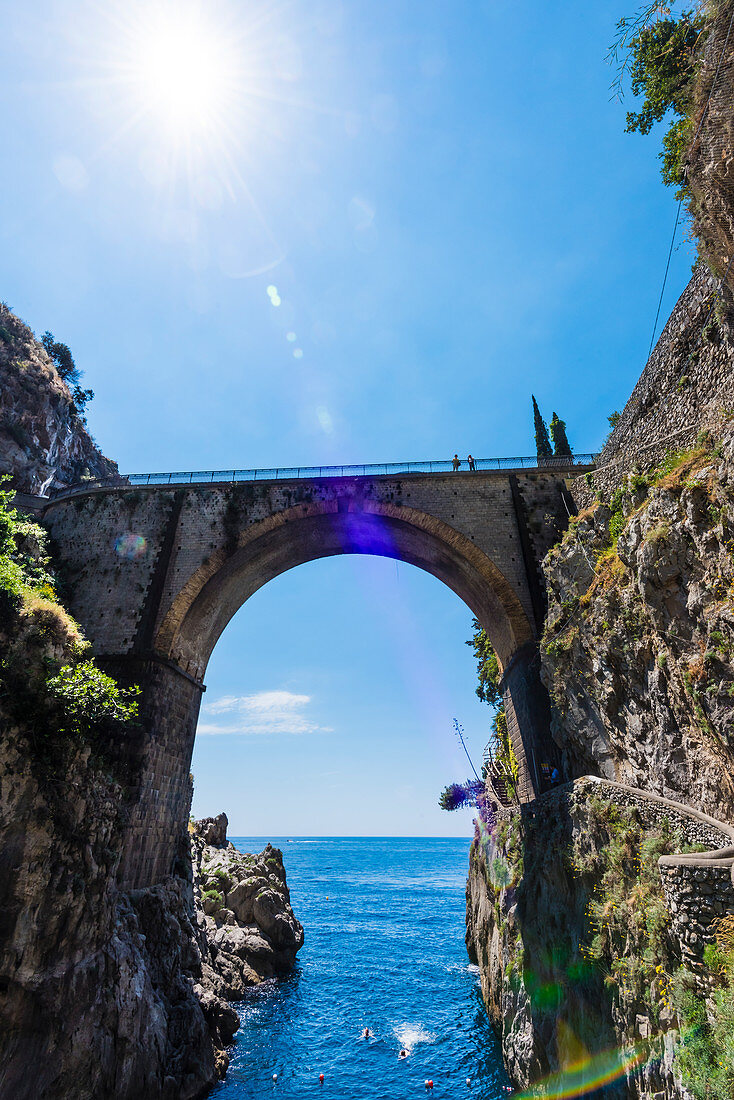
184,71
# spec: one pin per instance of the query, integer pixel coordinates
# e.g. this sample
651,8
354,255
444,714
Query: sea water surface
384,925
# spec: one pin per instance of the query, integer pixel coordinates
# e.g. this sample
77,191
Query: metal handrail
293,473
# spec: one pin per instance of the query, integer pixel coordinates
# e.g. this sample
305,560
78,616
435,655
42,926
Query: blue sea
384,925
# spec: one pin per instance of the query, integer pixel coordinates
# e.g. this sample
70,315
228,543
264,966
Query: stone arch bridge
156,571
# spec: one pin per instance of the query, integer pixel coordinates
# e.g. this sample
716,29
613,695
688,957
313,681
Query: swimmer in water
366,1033
403,1054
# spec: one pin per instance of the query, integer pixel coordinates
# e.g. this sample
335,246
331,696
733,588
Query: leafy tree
663,57
542,442
558,435
614,419
488,668
62,357
80,399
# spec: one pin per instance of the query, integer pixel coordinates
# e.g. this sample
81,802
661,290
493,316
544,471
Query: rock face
99,988
570,965
249,928
117,995
44,443
638,651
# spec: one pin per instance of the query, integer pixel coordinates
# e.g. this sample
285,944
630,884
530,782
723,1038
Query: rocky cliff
108,994
44,442
711,159
638,649
570,923
577,930
99,988
104,993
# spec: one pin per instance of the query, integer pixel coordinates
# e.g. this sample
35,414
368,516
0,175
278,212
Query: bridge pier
527,709
157,758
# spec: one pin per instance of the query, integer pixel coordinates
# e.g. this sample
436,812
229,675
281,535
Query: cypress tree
542,442
558,435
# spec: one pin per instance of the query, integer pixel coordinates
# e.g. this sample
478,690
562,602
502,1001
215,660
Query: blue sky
446,201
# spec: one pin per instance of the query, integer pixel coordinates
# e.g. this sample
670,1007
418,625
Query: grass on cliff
704,1057
628,931
49,685
604,950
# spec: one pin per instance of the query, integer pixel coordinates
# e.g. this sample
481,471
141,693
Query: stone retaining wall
698,887
685,386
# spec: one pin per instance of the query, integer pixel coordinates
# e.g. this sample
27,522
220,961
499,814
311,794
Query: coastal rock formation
638,650
109,994
99,988
243,908
44,442
105,993
569,921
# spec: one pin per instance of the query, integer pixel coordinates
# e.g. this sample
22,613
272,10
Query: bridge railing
291,473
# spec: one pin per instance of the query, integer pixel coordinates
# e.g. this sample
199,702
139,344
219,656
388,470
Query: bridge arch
157,572
217,589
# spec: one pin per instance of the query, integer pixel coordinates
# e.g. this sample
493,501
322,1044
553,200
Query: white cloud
264,712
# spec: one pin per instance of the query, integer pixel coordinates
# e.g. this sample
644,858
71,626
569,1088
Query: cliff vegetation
581,971
638,648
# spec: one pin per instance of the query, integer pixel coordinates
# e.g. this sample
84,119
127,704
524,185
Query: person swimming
403,1054
366,1033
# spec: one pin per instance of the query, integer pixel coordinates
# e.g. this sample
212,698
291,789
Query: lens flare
131,547
590,1073
502,874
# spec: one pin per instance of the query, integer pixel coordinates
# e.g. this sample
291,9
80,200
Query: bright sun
184,72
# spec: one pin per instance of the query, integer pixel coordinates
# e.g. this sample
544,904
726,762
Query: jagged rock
250,932
44,443
99,987
539,990
213,830
639,654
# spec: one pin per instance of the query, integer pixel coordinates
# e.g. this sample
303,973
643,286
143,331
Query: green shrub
89,699
215,896
663,55
223,879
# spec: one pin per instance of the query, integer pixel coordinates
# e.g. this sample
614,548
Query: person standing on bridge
470,460
456,463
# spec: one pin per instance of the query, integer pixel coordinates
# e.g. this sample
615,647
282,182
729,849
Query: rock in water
248,931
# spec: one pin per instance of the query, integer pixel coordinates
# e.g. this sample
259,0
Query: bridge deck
576,464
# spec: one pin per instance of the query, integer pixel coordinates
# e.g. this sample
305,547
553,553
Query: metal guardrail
294,473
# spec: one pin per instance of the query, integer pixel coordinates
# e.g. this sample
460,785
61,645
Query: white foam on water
409,1035
460,968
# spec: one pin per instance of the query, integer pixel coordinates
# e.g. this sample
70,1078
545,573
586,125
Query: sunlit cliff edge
602,915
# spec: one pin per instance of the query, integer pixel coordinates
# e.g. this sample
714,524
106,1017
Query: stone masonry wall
698,888
687,383
154,574
158,758
697,892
